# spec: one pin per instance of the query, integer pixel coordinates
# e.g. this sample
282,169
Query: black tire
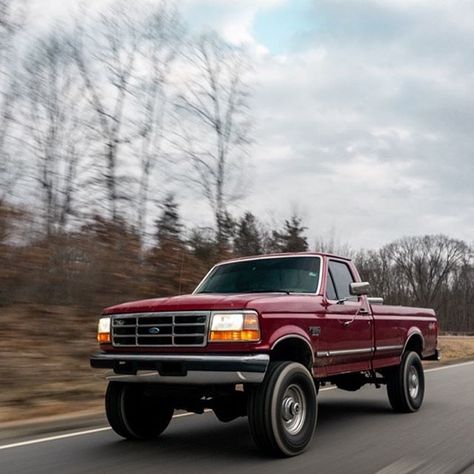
406,384
278,426
134,415
229,407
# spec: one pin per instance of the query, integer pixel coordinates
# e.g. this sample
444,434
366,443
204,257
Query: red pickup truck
257,338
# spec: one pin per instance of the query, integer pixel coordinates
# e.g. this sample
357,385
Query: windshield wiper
259,290
263,290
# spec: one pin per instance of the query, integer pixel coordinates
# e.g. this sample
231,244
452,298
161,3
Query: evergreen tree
168,225
170,258
225,234
175,264
291,238
248,240
203,246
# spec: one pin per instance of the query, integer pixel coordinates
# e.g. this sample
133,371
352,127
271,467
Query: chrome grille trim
173,329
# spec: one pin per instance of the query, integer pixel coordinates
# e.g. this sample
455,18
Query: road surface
357,433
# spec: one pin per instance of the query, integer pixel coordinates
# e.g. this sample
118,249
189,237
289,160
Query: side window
330,290
342,277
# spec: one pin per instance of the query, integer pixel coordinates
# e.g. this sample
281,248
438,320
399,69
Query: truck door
348,324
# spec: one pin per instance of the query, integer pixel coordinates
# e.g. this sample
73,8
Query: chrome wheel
283,410
293,409
413,382
406,384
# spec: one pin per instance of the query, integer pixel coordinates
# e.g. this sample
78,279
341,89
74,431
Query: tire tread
260,407
396,389
124,401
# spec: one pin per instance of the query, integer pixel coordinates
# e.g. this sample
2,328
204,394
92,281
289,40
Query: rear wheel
406,384
283,409
134,415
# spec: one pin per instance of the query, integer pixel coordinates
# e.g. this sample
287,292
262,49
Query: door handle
350,321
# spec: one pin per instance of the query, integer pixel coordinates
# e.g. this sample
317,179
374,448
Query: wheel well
293,349
414,343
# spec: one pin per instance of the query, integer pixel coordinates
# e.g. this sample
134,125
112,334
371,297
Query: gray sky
364,112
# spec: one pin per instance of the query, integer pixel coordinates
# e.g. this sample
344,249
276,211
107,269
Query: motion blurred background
140,144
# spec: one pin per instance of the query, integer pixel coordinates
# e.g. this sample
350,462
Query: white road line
451,366
179,415
70,435
54,438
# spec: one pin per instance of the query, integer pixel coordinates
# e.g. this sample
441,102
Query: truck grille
177,329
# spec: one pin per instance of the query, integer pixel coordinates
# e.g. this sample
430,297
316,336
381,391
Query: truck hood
190,303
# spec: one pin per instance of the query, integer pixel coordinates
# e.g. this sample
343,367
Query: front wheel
406,384
133,414
282,410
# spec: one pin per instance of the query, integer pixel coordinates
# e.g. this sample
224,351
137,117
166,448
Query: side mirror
375,300
359,288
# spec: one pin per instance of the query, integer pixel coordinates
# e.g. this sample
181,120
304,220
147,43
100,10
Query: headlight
103,330
234,327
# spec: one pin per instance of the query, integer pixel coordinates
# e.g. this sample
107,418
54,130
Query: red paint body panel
348,341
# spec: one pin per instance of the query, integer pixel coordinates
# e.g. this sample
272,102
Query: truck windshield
283,274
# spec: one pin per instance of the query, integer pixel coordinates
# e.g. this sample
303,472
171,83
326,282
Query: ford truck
257,338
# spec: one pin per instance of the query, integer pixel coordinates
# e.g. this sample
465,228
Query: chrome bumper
183,369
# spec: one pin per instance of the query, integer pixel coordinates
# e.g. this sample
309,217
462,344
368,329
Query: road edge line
69,435
449,366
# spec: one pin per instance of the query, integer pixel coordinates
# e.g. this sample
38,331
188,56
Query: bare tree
10,25
125,66
427,263
332,243
376,267
107,61
433,271
215,132
460,300
162,31
53,123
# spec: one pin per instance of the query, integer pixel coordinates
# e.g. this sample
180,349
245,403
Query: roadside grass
456,348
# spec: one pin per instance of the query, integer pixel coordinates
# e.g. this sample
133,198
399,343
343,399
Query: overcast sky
364,112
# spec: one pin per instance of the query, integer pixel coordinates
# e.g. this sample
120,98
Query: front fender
286,332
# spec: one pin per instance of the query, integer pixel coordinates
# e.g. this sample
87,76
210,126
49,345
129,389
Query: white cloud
368,126
233,19
374,127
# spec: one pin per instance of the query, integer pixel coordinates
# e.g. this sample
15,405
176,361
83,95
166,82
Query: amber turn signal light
103,337
228,336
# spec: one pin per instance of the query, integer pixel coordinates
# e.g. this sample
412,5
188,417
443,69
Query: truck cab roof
285,254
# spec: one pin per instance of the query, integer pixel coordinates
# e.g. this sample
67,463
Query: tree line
105,262
97,117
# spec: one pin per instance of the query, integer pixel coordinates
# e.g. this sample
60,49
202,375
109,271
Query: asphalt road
357,433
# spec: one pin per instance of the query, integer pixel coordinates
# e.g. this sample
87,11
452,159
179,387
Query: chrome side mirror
375,300
359,288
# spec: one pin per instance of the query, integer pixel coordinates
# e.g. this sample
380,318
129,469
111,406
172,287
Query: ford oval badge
154,330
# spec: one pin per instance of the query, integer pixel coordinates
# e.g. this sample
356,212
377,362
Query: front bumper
183,369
